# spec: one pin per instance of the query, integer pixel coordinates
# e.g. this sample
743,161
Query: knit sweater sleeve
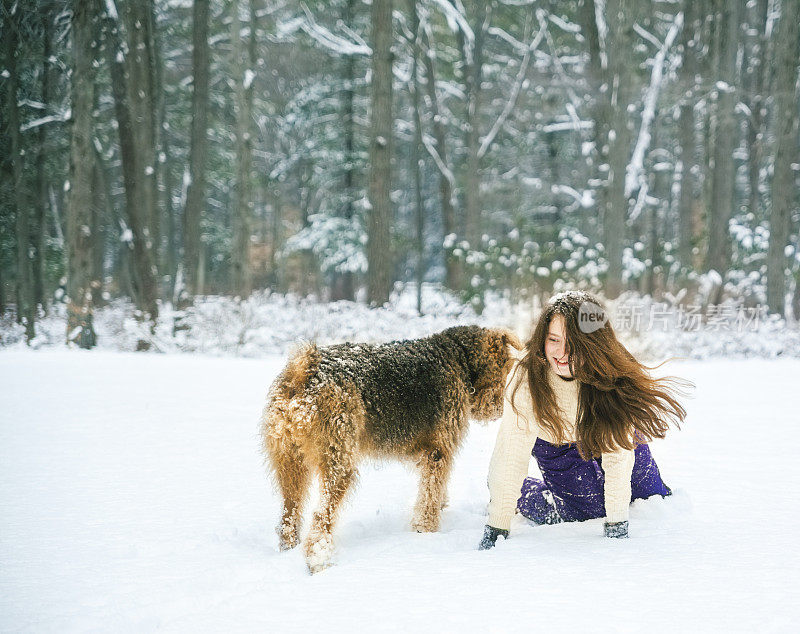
618,466
509,464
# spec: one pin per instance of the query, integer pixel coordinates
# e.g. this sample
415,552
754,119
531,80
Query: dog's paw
319,553
287,537
287,544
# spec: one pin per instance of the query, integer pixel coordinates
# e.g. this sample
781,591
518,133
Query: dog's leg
434,473
338,425
293,477
337,474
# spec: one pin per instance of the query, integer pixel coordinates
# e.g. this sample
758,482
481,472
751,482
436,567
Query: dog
411,400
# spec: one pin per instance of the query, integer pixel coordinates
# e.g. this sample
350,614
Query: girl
587,408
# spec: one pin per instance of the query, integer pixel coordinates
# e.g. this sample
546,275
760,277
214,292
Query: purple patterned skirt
572,490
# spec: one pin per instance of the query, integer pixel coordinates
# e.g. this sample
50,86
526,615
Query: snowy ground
132,498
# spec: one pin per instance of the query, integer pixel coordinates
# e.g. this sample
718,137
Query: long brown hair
619,403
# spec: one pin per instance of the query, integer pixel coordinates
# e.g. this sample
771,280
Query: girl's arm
509,464
618,466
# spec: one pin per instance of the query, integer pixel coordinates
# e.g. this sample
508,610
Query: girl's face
555,347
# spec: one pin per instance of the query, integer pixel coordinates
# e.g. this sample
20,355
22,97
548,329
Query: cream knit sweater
515,440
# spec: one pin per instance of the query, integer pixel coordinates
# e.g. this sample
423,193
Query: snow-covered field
133,498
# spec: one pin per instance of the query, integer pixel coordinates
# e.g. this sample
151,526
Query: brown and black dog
410,400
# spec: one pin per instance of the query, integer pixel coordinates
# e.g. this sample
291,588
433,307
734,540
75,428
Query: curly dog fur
411,400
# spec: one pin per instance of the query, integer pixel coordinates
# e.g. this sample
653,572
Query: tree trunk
196,194
445,174
244,64
795,298
276,239
2,293
595,74
688,83
416,159
473,78
164,228
79,200
379,248
722,186
657,212
344,283
708,62
759,71
145,289
620,17
171,255
309,280
101,205
100,200
26,310
554,165
141,101
40,218
784,195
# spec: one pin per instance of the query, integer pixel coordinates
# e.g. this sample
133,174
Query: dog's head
489,360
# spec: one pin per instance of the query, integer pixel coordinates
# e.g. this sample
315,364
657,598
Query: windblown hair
619,403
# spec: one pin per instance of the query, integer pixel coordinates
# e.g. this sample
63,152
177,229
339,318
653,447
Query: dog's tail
302,366
284,401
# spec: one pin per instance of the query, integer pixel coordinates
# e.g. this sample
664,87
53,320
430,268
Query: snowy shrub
525,267
338,243
271,323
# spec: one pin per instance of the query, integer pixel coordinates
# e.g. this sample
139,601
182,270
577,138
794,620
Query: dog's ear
510,339
493,359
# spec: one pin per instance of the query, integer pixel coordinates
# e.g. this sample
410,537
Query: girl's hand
490,535
616,530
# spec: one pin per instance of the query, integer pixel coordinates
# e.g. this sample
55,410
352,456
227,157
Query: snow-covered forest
158,152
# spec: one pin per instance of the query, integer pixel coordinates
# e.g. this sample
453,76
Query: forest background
159,152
